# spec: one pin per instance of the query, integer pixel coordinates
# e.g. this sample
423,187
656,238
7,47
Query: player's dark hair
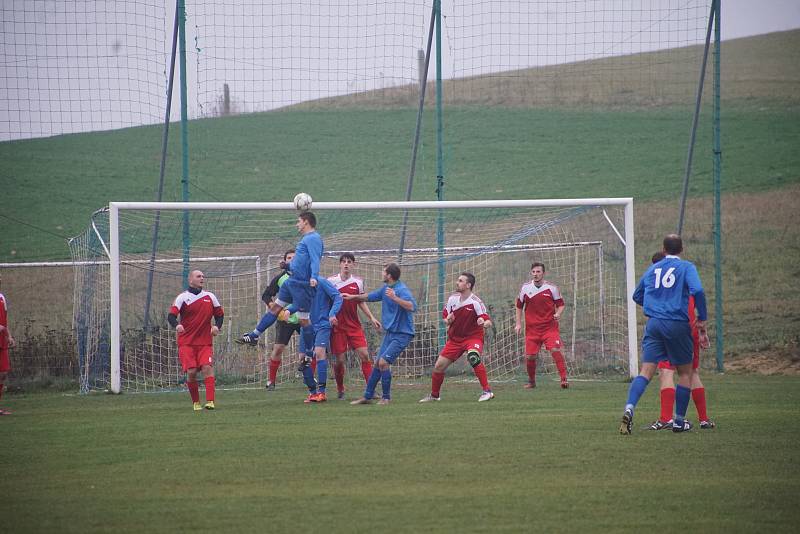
658,256
538,264
673,244
393,270
286,254
347,256
470,279
309,217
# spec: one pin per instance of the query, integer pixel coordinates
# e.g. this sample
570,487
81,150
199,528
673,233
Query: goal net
135,257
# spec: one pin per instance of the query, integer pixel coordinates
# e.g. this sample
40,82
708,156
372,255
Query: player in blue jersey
397,308
327,303
298,289
664,293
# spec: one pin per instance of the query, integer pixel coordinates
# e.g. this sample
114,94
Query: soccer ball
302,201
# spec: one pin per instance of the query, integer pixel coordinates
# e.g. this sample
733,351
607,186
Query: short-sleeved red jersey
348,315
195,313
466,313
3,321
539,304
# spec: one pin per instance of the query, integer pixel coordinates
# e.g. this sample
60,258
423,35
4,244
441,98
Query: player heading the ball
299,288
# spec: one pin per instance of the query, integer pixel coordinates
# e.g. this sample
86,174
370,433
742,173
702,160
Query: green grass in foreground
546,459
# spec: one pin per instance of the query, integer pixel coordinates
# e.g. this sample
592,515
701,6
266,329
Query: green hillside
52,185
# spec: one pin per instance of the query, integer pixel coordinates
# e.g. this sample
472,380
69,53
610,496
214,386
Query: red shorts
664,364
533,342
454,349
195,356
5,363
342,340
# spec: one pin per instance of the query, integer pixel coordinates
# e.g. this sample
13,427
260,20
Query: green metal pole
695,119
440,166
718,317
184,136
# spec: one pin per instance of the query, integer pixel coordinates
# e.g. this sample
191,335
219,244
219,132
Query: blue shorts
392,345
322,336
667,340
297,292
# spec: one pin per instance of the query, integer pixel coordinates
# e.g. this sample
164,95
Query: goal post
498,238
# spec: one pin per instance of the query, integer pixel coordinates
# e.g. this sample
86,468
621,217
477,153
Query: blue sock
308,378
386,383
266,321
636,390
372,383
682,396
308,337
322,374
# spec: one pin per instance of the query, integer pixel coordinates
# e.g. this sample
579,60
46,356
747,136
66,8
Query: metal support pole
412,170
159,196
718,316
184,135
695,118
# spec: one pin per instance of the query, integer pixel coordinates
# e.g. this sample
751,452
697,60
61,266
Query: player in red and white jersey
196,307
666,373
542,304
348,332
466,317
6,341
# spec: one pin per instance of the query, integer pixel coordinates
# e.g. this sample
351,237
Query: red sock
667,404
366,370
560,364
338,374
314,364
273,370
480,372
194,393
530,365
1,390
436,383
699,398
210,383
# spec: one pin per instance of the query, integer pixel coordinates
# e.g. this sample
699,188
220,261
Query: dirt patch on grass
775,361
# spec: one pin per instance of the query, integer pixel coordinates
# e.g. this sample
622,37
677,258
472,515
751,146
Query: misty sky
81,65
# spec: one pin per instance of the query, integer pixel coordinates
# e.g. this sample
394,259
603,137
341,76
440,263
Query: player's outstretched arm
373,321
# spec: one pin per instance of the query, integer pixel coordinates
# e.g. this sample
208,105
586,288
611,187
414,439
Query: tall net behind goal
239,249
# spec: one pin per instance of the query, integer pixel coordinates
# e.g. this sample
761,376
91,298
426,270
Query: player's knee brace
474,358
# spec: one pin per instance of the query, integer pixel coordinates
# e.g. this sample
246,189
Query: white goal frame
626,238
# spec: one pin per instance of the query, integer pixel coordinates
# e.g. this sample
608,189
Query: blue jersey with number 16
665,287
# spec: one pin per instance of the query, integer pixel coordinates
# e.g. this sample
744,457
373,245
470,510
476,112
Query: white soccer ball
302,201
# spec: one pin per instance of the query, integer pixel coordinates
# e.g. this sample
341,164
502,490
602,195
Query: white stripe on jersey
188,298
530,290
455,302
337,281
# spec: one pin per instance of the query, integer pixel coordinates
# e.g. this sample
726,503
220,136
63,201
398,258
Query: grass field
546,460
